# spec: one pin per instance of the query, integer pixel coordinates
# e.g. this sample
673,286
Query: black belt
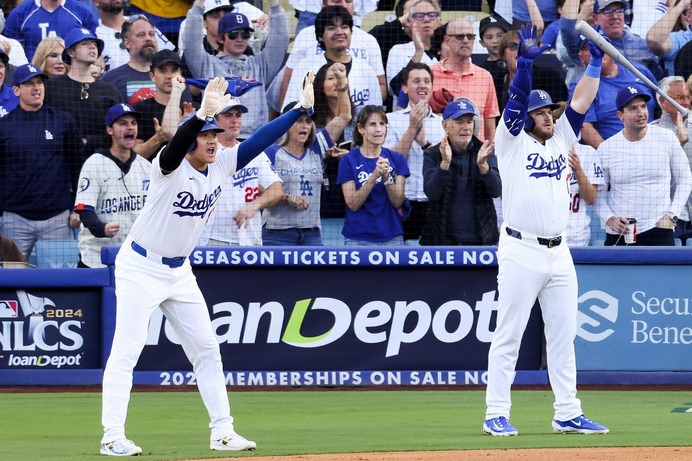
550,243
170,262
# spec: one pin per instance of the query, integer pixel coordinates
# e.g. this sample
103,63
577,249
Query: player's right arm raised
586,89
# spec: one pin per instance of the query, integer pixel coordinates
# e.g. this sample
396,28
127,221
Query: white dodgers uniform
240,189
534,262
579,222
152,269
113,194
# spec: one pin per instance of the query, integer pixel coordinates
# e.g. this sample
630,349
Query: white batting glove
214,99
307,94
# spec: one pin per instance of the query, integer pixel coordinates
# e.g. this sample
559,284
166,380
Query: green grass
173,425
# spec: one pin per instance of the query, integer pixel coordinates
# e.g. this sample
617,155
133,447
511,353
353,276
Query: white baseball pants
528,270
143,285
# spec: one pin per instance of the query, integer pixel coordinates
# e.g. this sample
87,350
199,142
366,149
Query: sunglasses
463,36
244,34
431,15
83,94
512,46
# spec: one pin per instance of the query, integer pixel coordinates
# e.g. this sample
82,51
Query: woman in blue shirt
373,179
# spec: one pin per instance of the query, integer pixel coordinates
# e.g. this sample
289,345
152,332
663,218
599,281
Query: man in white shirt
642,163
410,132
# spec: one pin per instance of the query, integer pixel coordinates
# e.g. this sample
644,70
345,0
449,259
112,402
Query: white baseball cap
211,5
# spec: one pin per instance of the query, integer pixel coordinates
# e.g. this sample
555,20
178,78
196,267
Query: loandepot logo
597,313
404,322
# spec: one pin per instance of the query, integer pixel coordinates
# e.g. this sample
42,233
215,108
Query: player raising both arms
152,268
534,261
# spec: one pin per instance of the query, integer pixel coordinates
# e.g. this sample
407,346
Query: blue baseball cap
539,99
77,35
457,108
27,72
118,110
233,21
209,126
628,93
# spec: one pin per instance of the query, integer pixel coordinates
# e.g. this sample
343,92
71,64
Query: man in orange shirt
462,78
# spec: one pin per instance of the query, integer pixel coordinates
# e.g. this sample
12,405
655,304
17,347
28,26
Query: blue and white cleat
499,426
579,425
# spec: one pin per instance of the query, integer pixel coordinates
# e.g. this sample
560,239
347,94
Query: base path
544,454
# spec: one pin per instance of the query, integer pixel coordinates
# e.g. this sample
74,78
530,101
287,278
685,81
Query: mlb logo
9,309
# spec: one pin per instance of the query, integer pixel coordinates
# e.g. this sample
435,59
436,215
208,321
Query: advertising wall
354,317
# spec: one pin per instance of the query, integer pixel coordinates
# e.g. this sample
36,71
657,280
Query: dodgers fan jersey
114,196
535,178
183,202
239,190
578,230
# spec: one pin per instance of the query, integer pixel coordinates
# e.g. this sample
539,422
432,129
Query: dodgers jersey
181,201
240,189
113,196
535,178
578,224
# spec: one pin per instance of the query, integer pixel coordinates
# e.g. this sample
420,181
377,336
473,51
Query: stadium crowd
400,148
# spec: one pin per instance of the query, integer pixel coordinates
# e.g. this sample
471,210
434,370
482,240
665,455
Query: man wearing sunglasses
462,78
111,21
234,32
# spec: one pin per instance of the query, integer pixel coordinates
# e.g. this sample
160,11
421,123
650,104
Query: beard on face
112,8
147,53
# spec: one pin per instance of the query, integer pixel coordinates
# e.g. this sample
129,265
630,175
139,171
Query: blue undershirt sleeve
266,136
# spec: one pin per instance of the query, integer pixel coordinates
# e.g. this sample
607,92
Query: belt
170,262
550,243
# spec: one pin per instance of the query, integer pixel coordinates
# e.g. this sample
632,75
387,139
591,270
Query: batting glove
528,44
307,94
214,99
594,50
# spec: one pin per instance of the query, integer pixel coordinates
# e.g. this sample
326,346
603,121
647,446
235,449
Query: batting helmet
539,99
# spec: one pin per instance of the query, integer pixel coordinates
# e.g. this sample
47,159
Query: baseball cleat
233,442
499,426
579,425
120,447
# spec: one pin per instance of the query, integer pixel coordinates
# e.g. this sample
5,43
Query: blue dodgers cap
628,93
26,72
539,99
118,110
457,108
232,21
209,126
77,35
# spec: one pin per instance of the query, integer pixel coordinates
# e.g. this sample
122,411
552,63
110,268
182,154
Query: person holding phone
333,112
373,180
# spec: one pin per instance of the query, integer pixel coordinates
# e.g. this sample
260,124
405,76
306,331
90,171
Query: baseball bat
589,32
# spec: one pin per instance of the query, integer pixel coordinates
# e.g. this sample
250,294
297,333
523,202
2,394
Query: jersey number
574,204
251,194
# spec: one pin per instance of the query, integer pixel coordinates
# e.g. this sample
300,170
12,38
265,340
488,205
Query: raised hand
528,44
307,93
215,97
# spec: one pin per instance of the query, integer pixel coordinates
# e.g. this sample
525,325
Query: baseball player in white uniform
152,269
237,219
585,179
533,258
113,187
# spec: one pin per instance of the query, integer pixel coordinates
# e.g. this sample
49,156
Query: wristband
592,70
426,146
342,90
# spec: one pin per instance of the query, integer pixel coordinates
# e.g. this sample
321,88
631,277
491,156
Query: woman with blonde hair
48,57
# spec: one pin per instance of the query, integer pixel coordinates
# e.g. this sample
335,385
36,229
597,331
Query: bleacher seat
57,253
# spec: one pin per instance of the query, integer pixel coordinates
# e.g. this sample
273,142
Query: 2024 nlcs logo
598,312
